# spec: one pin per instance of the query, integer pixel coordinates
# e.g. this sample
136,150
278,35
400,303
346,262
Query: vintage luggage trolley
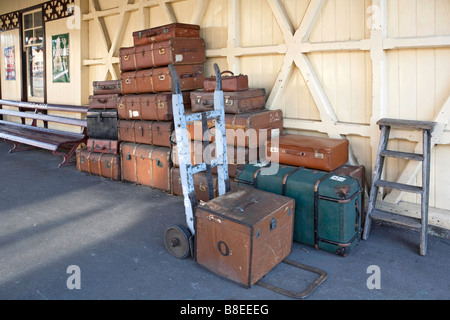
239,235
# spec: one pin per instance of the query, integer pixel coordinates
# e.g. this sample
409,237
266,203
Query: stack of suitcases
249,127
101,155
328,193
145,110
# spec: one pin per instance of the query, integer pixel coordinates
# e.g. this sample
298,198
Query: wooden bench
61,143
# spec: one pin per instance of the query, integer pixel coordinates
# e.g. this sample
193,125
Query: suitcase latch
273,224
318,155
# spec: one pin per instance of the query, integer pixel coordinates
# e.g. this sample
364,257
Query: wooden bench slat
32,133
44,117
46,107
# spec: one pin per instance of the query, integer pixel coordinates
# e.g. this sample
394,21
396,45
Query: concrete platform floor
113,232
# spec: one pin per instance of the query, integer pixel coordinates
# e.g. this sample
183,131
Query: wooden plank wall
333,66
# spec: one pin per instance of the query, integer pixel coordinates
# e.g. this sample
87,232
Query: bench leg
66,156
18,147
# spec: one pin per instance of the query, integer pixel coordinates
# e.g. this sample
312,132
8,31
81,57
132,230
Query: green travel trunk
328,205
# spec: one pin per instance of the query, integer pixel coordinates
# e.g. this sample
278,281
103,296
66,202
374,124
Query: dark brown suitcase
104,101
176,51
157,107
165,32
107,87
250,130
200,185
146,165
103,146
146,132
101,164
230,82
323,154
244,234
235,102
159,80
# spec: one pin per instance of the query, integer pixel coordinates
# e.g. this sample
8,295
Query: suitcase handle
245,204
188,75
102,100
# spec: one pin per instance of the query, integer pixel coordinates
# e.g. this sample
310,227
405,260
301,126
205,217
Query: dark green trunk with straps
328,205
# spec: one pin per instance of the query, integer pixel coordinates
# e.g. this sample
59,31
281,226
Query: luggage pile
328,193
133,117
249,126
101,155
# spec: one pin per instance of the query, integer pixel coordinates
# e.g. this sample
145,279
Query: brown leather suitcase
157,107
323,154
230,82
159,80
250,130
101,164
165,32
104,101
103,146
107,87
176,51
146,132
244,234
235,102
146,165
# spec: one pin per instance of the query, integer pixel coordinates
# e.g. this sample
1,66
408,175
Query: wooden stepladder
373,213
178,239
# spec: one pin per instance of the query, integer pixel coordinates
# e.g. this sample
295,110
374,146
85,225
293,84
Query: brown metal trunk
101,164
146,165
176,51
161,33
157,107
244,234
159,80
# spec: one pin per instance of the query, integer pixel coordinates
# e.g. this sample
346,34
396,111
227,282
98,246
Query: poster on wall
60,55
10,64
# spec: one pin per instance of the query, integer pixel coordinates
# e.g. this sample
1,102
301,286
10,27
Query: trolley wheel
177,241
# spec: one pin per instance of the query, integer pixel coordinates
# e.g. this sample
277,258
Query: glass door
33,37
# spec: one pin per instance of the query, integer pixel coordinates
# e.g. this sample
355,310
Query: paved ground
113,232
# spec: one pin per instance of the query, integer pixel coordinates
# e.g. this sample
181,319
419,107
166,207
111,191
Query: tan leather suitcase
165,32
230,82
310,152
146,132
176,51
107,87
101,164
156,107
103,146
159,79
244,234
250,130
235,102
104,101
146,165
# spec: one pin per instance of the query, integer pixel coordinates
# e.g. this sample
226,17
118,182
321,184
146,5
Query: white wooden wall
334,67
